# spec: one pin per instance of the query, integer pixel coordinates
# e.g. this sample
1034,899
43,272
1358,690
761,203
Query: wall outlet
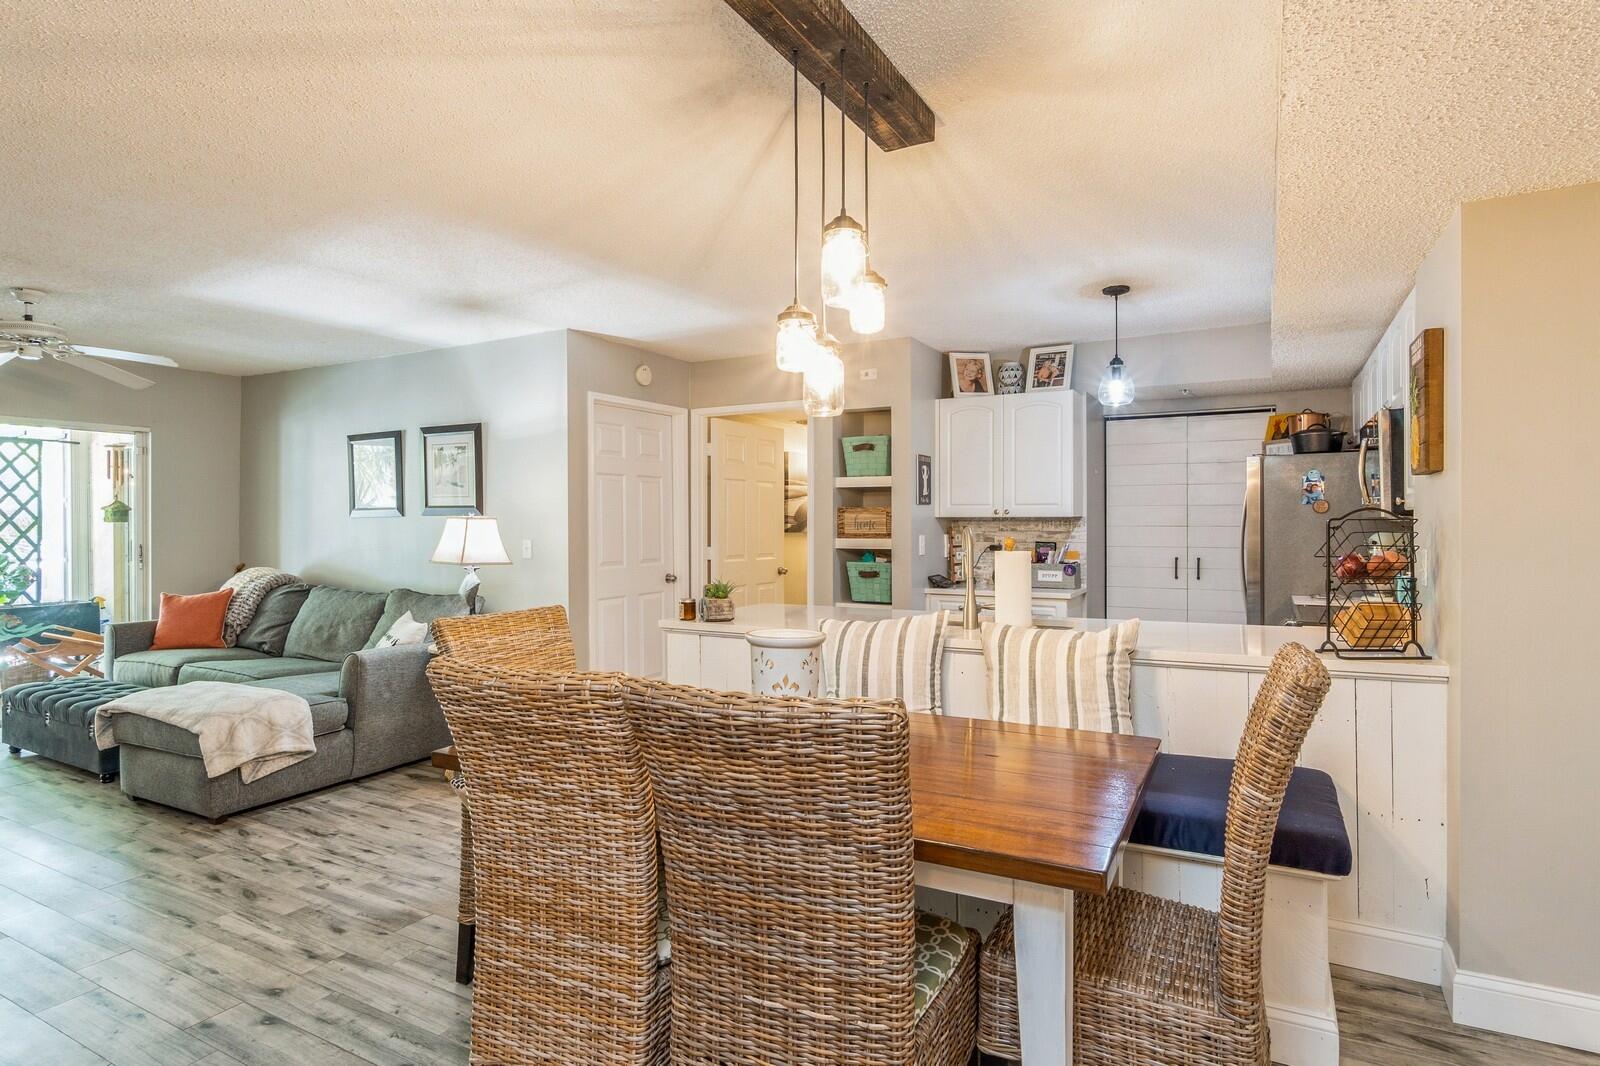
922,544
870,374
527,549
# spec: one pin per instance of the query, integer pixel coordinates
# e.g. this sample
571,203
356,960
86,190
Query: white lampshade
471,540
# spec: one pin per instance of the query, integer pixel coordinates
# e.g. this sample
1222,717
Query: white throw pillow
879,660
1061,677
406,630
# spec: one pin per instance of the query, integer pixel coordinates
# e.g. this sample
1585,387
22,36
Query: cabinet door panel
1038,454
969,457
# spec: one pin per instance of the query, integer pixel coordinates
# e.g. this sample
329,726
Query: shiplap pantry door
1147,522
1218,447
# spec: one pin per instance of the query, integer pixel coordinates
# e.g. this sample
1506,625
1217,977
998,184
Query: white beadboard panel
1128,517
1417,727
1210,601
1215,537
1240,427
1146,454
1146,431
1134,598
1149,690
683,658
1142,577
1222,494
1219,569
1229,514
1149,614
1222,451
1375,792
1216,473
1331,747
1147,556
1174,537
1207,712
1151,474
1143,496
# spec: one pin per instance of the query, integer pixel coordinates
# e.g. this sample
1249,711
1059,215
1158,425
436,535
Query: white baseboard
1521,1008
1302,1039
1409,956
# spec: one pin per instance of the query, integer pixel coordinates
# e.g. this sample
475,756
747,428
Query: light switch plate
870,374
527,549
922,544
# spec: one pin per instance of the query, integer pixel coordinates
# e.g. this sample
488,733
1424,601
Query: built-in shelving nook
862,491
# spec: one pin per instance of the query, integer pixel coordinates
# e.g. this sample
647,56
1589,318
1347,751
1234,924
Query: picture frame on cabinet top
1049,367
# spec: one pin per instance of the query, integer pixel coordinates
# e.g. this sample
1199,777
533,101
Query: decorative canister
785,662
1008,378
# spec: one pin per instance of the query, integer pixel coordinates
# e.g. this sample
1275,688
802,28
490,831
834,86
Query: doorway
72,518
753,512
637,465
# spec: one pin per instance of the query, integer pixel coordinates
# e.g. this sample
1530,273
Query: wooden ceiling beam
818,29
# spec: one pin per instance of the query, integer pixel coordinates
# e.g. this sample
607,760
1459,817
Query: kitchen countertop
988,594
1160,643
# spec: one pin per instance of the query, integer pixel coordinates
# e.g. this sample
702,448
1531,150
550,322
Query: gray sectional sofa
371,707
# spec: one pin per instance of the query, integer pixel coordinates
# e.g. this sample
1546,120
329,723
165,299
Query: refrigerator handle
1250,540
1361,473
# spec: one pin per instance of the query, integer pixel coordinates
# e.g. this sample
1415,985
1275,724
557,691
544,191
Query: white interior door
1218,447
1147,537
631,486
747,509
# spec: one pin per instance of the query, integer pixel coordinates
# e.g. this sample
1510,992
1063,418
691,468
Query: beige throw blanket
253,730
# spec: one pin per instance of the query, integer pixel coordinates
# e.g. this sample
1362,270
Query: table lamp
469,542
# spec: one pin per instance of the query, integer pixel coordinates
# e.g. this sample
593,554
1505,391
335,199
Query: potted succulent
717,606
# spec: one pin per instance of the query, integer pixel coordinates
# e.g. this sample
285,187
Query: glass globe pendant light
844,242
797,326
1116,388
869,303
822,393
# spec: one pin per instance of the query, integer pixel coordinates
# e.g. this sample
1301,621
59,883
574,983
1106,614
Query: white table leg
1043,919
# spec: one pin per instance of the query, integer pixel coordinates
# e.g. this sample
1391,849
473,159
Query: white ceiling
248,188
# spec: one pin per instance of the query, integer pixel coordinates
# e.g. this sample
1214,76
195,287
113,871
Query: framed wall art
970,374
452,469
1427,402
1050,367
377,474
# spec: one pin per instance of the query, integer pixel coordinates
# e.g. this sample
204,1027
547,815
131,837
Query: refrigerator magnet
1311,490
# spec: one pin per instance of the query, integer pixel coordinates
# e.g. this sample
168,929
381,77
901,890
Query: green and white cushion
940,944
1072,678
881,660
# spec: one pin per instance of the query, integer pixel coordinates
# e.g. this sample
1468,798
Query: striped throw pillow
1071,678
878,660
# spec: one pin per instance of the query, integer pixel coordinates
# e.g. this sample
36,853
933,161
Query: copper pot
1307,419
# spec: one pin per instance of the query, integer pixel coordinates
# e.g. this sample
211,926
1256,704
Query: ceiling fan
30,340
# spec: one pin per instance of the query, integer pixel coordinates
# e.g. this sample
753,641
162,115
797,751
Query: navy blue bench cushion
1186,808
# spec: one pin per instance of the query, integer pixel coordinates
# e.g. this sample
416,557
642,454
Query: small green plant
719,590
15,579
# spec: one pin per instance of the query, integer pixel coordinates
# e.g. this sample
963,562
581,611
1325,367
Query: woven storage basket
15,671
870,582
865,456
863,522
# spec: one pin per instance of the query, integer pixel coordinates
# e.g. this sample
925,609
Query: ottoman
55,719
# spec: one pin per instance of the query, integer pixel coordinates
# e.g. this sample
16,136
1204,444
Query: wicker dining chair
1158,981
566,853
537,639
786,835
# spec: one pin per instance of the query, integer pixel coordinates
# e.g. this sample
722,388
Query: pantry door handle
1197,568
1174,568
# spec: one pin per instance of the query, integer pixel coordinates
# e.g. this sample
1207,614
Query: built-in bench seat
1175,851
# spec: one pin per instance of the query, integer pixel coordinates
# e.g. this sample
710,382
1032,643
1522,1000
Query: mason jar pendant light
844,242
797,326
823,391
1116,388
869,303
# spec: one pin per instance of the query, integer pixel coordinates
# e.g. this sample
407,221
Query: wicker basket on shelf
857,522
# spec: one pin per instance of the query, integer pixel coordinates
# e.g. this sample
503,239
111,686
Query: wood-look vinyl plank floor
322,931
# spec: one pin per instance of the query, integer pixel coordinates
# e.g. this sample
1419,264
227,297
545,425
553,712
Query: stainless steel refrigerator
1284,530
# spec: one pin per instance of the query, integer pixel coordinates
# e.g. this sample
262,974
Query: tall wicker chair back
786,832
1161,981
536,639
565,849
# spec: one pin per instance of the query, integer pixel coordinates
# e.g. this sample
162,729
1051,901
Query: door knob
671,579
782,570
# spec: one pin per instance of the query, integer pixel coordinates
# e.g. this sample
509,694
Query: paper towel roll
1013,588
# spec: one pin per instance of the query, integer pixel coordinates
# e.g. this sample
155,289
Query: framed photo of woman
970,374
1050,367
452,469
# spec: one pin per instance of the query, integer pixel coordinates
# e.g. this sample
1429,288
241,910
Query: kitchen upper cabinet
1385,380
1021,456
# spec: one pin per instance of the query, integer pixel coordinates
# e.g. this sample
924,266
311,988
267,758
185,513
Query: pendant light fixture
823,391
797,326
1116,388
844,242
869,303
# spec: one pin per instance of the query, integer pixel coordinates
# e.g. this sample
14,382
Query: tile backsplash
1025,531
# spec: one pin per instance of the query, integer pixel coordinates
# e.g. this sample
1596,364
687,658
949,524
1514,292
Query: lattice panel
22,507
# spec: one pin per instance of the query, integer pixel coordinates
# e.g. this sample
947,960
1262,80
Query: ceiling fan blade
6,357
126,357
109,372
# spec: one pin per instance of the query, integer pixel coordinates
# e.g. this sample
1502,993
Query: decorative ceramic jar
785,662
1008,378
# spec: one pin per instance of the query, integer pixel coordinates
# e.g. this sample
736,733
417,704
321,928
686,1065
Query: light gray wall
294,507
1202,358
596,364
193,421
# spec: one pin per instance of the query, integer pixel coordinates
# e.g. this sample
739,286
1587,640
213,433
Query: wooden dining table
1026,816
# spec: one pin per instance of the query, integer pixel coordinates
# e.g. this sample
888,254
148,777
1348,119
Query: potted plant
717,606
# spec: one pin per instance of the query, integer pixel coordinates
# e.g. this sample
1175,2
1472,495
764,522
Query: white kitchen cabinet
1018,456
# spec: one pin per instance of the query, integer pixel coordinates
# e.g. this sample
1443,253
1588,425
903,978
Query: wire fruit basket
1370,556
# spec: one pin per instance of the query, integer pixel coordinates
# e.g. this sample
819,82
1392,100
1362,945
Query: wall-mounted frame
971,374
1427,402
452,469
377,474
924,480
1050,367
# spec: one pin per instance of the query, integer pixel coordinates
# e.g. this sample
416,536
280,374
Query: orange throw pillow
191,621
